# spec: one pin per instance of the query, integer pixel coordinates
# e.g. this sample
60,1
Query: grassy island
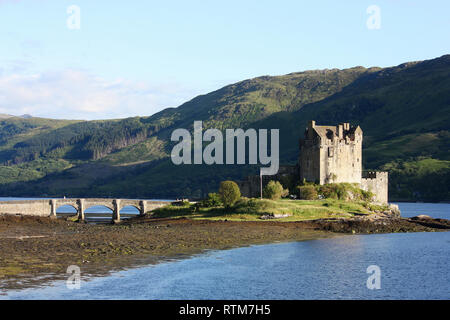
330,201
259,209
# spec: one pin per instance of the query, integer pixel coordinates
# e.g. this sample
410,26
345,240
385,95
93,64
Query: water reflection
414,266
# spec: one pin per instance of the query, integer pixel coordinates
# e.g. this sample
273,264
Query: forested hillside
403,111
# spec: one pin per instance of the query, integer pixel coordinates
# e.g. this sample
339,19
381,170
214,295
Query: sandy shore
34,250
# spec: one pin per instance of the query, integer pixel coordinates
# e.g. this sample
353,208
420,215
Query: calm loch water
434,210
413,266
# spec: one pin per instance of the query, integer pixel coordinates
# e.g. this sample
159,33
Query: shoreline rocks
274,216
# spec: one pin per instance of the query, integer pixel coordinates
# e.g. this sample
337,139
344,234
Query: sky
97,59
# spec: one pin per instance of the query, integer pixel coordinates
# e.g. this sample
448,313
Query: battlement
377,183
374,175
342,132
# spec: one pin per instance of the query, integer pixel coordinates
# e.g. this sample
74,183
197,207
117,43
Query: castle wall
309,161
331,154
340,161
250,187
377,183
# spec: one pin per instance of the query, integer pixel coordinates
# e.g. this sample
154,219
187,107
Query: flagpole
260,185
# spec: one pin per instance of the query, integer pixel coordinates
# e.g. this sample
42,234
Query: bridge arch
129,211
107,204
98,212
130,206
66,210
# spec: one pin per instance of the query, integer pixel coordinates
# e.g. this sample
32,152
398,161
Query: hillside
403,111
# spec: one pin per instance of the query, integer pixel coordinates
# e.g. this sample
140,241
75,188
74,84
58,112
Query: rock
394,210
274,216
422,217
278,216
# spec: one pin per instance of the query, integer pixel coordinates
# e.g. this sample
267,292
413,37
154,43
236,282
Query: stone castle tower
328,154
333,154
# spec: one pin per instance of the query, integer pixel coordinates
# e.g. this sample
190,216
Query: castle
328,154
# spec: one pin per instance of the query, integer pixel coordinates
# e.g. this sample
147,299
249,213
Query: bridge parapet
48,207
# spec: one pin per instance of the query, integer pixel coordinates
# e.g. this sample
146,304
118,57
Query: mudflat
34,250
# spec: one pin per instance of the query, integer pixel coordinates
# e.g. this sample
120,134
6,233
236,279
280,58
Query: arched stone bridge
49,207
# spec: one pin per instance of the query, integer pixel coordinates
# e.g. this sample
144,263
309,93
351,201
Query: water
413,266
434,210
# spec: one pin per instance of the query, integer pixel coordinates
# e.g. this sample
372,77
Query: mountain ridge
405,106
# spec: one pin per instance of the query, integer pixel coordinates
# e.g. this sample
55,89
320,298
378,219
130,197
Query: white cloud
77,94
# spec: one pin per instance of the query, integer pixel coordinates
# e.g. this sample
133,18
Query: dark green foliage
365,195
83,140
9,128
333,191
246,205
307,192
213,200
290,183
343,191
229,193
274,190
420,179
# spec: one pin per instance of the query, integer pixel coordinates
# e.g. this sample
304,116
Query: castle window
330,152
330,134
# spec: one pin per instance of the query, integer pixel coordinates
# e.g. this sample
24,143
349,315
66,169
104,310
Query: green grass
253,209
148,150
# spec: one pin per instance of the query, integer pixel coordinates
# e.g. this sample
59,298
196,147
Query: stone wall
310,160
29,208
377,183
331,154
341,161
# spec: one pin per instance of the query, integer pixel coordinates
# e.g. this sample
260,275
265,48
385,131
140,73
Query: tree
274,190
213,200
307,192
229,193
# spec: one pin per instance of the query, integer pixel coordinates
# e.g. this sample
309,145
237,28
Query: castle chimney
309,130
346,126
341,131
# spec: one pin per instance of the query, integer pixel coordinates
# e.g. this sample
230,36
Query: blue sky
137,57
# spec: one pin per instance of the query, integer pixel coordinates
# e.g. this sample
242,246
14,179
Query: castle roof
325,132
329,132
